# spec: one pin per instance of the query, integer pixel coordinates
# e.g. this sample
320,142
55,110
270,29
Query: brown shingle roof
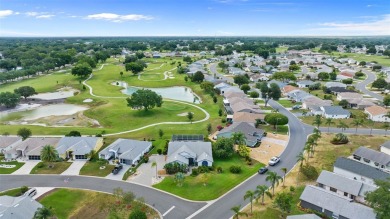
247,117
376,110
289,88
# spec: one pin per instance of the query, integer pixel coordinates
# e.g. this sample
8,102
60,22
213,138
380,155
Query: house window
320,185
356,157
366,160
352,197
333,189
345,194
376,164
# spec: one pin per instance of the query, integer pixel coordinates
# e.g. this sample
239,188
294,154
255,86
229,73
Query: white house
127,151
385,147
377,113
373,158
190,153
335,112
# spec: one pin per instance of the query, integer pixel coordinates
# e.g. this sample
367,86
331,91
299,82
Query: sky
35,18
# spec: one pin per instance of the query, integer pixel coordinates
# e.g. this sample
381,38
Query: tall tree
300,158
134,67
357,123
145,99
190,116
271,92
24,133
250,195
329,121
223,148
317,121
238,138
379,199
82,70
274,179
260,191
283,202
240,80
276,119
9,99
198,77
284,170
342,125
25,91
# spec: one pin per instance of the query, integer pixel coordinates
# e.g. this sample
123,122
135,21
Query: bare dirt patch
269,148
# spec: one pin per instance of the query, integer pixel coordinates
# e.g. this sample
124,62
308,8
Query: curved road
371,77
160,200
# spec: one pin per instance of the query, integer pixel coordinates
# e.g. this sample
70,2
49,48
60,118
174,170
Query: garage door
34,157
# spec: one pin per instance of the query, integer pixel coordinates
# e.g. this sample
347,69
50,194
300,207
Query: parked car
274,161
117,168
31,192
295,107
262,170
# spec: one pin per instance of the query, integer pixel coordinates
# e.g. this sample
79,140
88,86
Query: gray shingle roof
335,110
6,141
79,145
306,82
127,148
18,207
339,182
303,216
337,204
375,156
251,133
177,151
360,168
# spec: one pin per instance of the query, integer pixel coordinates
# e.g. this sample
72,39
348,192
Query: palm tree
317,121
308,149
260,191
386,126
43,213
49,154
284,170
249,194
329,121
317,132
312,142
342,125
357,123
371,123
238,138
274,179
154,164
237,212
301,158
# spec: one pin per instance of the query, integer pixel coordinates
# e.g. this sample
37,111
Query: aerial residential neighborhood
194,109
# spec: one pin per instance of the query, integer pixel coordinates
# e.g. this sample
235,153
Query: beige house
377,113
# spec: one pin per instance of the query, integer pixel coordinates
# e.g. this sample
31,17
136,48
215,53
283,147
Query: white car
274,161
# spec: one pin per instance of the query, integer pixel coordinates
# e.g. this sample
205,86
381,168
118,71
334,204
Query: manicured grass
58,168
12,192
10,170
217,184
382,60
93,169
286,103
152,76
281,49
72,203
282,129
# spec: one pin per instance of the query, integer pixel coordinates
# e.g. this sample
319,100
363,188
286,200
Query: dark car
117,168
262,170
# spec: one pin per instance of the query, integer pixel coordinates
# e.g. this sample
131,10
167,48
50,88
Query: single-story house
7,141
374,158
335,84
243,106
127,151
287,89
334,205
236,71
348,96
258,77
247,117
221,86
18,207
359,103
359,171
233,92
303,216
252,134
298,95
305,83
315,102
337,90
348,74
29,148
77,148
377,113
344,186
190,153
385,147
335,112
279,83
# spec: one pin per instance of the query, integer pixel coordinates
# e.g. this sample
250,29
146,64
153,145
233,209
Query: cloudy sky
194,17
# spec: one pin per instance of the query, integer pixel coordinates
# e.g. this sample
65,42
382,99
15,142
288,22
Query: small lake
174,93
48,110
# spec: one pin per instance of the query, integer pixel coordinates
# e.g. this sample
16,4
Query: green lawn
282,129
72,203
58,168
382,60
12,192
10,170
281,49
93,169
286,103
152,76
217,184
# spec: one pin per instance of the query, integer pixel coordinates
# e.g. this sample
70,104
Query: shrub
159,151
219,169
175,167
339,138
137,214
235,169
194,172
23,189
219,128
40,165
203,169
309,171
292,189
223,120
146,158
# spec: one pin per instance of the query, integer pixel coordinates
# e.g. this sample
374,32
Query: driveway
119,175
27,167
146,174
75,168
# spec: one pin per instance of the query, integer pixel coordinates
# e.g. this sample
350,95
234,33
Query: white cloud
6,13
379,26
32,14
118,18
45,16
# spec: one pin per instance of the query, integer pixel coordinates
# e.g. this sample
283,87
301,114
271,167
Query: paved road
160,200
371,77
213,69
221,207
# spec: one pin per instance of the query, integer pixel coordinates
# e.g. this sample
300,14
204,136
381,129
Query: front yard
217,184
10,170
287,103
50,168
93,169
